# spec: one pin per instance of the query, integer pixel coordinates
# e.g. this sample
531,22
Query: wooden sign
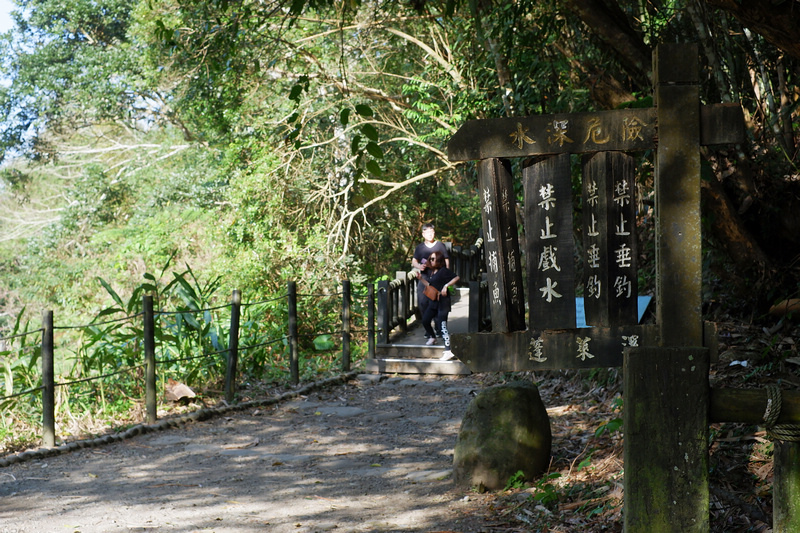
550,349
501,239
666,368
609,235
626,130
549,240
675,128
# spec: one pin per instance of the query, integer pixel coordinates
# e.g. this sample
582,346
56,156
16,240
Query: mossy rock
505,430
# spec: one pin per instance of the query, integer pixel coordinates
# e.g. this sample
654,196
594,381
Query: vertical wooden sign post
666,387
610,287
503,261
665,365
551,263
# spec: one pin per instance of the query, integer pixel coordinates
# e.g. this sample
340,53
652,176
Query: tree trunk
612,27
728,230
777,21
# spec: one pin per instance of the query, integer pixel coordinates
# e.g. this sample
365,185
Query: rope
782,432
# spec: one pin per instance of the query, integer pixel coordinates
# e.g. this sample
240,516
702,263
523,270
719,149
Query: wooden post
346,325
148,331
666,440
233,346
383,312
503,262
48,382
609,236
786,488
549,243
677,183
404,294
294,364
371,320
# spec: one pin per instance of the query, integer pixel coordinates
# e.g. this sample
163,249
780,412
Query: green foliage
58,59
192,329
19,355
610,427
613,425
516,481
263,145
545,492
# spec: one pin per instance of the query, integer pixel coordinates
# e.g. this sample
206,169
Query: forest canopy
267,141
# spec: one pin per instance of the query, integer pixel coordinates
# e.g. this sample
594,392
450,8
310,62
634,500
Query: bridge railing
397,298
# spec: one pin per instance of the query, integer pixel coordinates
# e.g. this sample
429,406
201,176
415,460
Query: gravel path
371,454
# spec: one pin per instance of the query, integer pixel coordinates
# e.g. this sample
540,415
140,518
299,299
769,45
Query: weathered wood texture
747,406
503,261
666,440
623,129
550,244
609,236
786,488
677,184
549,349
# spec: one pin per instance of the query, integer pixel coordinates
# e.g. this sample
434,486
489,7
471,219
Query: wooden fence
231,353
396,303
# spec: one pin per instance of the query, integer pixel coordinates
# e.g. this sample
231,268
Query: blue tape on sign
580,314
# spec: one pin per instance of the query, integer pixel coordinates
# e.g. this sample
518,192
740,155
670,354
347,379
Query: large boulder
505,430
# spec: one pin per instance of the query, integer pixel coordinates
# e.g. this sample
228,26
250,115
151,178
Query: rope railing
95,378
148,336
398,300
104,323
18,335
260,302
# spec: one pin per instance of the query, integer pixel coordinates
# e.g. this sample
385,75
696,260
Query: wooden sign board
550,349
501,241
626,130
591,347
629,129
553,346
610,244
549,240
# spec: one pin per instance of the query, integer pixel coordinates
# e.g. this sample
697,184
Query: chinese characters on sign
592,132
580,347
550,247
610,291
503,267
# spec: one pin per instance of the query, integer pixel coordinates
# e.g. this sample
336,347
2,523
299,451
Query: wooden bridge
404,350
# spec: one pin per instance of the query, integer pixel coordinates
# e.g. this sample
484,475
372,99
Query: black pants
438,312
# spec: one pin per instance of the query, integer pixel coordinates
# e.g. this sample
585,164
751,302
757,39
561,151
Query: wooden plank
610,244
748,406
502,253
627,130
677,191
548,350
416,366
666,440
549,242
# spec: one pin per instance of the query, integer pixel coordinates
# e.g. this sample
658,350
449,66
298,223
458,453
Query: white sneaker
431,341
447,355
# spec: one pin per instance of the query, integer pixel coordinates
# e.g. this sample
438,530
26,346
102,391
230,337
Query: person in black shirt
419,262
441,278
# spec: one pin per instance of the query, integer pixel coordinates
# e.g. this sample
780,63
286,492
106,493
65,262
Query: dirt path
360,456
